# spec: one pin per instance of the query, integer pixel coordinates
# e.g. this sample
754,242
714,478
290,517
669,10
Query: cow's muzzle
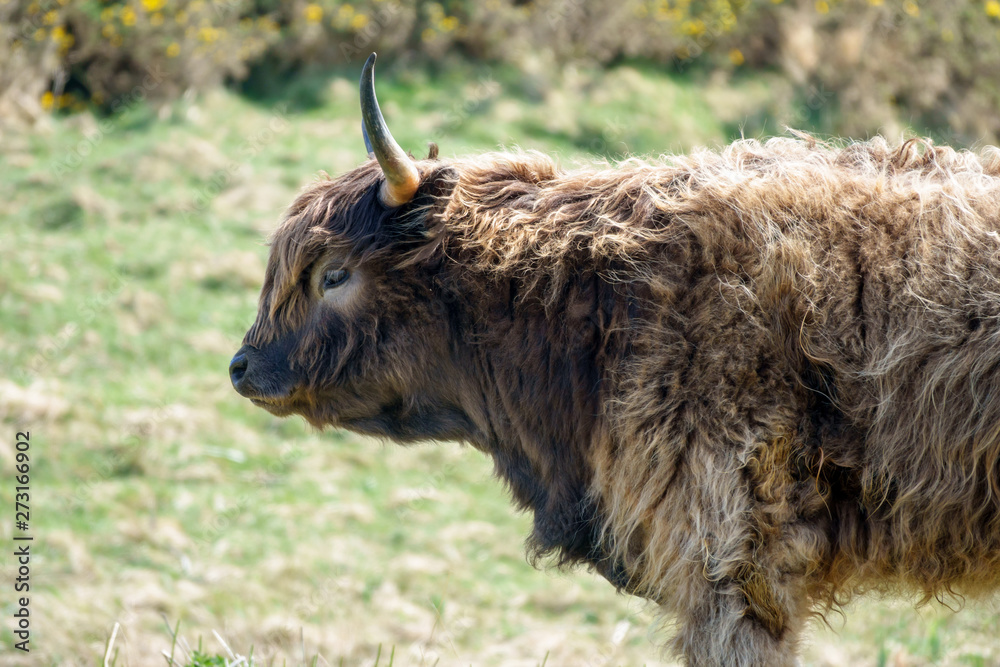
255,376
238,370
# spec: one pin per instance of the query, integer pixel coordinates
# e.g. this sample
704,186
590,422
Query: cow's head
353,327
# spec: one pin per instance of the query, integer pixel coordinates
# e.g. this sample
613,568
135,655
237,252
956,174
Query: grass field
132,254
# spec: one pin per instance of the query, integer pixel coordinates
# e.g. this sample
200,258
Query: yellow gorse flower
693,28
208,34
314,13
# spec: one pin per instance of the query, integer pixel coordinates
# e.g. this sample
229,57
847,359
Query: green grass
129,277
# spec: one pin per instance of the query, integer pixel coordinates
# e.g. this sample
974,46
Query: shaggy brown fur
746,385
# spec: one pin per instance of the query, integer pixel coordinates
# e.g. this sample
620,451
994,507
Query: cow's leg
740,583
719,530
749,623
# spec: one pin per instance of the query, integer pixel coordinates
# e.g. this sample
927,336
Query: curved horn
401,176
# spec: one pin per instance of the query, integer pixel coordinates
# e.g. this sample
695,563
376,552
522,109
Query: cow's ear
421,218
436,185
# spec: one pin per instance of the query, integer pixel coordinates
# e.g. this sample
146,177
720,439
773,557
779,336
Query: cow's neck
534,392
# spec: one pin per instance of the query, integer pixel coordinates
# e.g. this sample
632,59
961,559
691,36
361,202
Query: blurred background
147,148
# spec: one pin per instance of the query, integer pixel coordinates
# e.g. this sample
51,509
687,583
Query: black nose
237,369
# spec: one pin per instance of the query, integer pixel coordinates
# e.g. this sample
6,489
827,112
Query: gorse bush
109,52
63,55
932,63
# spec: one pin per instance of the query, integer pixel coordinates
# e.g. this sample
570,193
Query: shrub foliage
934,63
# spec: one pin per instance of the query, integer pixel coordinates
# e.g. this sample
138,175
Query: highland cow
746,385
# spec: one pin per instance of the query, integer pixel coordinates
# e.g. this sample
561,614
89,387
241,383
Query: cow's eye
334,278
